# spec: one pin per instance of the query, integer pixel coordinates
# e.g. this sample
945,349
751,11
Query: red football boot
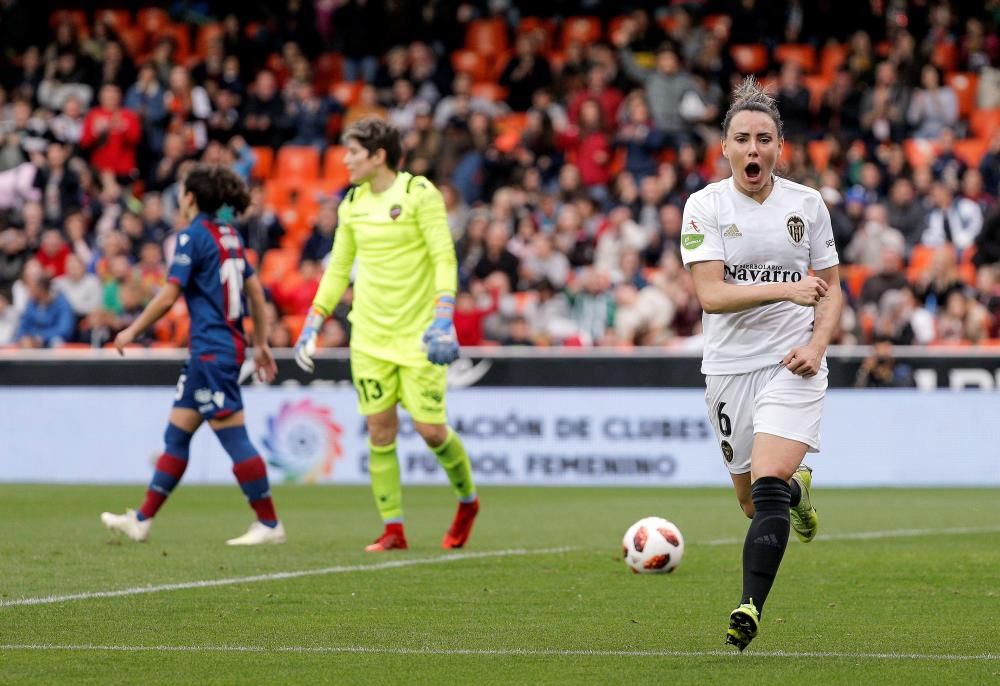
392,538
461,526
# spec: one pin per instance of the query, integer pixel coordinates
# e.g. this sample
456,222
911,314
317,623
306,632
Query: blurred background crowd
565,137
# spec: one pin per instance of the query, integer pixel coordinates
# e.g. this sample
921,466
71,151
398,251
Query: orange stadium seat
334,170
263,162
919,152
817,85
297,163
984,123
133,38
749,58
964,84
206,34
803,55
667,22
716,23
489,91
277,193
487,36
152,20
181,36
584,30
77,17
472,63
853,277
971,150
117,18
515,121
944,56
819,154
920,260
277,263
831,57
294,323
545,29
347,92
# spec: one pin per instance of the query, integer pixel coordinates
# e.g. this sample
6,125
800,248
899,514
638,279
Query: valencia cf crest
796,228
395,211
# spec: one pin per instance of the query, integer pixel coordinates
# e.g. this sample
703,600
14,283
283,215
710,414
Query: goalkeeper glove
305,348
440,338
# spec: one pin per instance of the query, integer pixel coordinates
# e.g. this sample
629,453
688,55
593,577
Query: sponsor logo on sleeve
690,241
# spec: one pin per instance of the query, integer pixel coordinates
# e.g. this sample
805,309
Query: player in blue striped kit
211,269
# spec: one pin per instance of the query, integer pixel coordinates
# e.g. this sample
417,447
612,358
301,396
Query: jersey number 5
231,276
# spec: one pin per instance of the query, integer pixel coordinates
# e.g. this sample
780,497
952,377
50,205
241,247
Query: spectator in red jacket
111,134
53,253
590,147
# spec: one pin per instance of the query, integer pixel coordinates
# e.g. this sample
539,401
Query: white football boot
259,533
127,524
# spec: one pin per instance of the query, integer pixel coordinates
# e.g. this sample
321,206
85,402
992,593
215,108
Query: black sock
766,539
796,493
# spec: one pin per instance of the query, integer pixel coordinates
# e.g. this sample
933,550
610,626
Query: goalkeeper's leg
423,393
383,466
451,454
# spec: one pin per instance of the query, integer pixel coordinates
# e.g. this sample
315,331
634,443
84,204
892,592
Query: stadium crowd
565,147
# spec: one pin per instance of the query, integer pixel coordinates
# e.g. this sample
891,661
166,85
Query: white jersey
776,241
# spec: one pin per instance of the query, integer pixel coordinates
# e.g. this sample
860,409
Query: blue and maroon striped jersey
210,266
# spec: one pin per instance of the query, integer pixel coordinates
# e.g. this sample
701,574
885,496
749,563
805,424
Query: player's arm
331,288
267,368
807,360
716,296
432,222
157,307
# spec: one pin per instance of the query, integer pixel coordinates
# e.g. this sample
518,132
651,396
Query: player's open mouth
752,172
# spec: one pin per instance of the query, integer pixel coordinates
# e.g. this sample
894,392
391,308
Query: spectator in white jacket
952,220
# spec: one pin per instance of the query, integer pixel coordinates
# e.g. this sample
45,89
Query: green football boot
743,624
805,519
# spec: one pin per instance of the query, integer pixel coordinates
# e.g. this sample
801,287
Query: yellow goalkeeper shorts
381,383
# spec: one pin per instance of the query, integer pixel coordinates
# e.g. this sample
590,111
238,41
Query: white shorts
771,401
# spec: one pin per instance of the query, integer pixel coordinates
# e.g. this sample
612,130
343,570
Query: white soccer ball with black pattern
653,546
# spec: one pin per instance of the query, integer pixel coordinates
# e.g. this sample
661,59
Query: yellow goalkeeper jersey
405,258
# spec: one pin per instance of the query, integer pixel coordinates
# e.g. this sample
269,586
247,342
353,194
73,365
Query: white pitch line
496,652
454,557
275,576
876,535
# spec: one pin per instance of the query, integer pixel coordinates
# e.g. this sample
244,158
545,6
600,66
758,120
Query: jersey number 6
725,426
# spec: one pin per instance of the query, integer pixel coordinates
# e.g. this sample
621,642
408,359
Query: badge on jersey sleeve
796,226
690,241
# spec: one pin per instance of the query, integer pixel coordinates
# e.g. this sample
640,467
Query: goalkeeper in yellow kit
402,338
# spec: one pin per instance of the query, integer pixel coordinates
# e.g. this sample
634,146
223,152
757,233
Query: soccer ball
653,546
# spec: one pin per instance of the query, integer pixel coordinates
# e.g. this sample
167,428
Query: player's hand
808,292
804,360
440,338
305,347
267,368
124,338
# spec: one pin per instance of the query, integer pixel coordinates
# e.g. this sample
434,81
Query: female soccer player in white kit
750,241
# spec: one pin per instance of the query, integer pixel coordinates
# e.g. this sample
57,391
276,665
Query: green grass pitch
899,588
